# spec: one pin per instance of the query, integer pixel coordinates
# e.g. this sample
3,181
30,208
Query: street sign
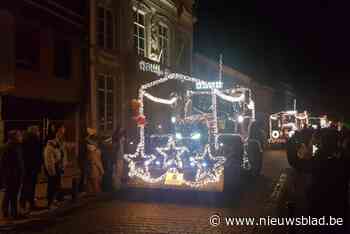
209,85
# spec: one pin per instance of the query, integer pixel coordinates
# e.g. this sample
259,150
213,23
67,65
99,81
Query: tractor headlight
178,136
196,136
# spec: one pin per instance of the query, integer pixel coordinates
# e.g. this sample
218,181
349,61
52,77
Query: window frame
104,32
137,35
105,125
166,38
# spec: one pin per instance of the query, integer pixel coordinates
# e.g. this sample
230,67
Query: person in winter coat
328,192
95,167
110,150
107,157
91,135
13,172
32,151
55,158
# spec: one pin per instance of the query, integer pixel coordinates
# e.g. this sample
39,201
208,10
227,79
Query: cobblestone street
172,212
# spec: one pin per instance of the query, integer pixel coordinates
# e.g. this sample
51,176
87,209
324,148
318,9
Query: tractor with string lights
284,124
319,122
184,135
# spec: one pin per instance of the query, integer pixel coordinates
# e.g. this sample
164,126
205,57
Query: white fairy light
204,173
251,105
160,100
215,119
273,117
292,112
314,149
228,97
170,160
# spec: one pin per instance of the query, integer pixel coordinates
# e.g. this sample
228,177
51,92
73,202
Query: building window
105,103
27,47
140,33
62,59
105,32
164,43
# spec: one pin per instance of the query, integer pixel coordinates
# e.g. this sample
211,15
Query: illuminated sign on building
209,85
153,68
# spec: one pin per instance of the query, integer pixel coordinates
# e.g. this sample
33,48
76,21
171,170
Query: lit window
139,33
105,32
164,43
105,94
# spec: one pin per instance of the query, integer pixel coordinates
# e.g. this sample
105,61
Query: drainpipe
92,64
7,59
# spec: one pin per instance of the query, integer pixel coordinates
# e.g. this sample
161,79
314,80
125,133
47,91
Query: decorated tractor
284,124
319,122
186,138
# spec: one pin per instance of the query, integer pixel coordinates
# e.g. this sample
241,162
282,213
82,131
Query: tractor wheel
255,157
233,165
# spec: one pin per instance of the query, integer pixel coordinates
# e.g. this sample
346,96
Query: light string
173,162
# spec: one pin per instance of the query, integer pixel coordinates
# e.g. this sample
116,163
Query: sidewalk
42,213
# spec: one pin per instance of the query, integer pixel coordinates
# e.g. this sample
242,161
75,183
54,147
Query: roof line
53,13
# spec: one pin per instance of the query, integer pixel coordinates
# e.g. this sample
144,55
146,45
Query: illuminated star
139,162
172,154
209,167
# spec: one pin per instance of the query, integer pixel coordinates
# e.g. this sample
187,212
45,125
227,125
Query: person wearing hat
13,172
95,167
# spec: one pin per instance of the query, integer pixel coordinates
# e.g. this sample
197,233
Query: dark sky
304,42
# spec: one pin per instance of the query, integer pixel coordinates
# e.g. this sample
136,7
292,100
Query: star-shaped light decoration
210,168
138,165
172,154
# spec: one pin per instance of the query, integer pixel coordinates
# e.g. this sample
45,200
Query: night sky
305,43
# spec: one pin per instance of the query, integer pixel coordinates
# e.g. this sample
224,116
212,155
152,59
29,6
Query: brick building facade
45,54
126,37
